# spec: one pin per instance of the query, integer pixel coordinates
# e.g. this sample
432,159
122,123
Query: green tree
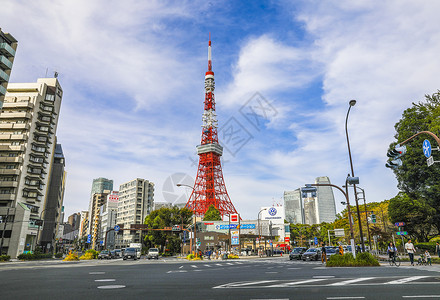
212,214
418,181
166,217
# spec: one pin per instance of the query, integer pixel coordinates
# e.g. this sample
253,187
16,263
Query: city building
98,200
99,185
83,225
108,213
311,210
136,201
8,46
54,200
74,220
28,124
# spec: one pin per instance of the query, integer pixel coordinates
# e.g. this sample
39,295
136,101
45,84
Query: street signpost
427,148
430,161
399,224
402,233
316,240
117,228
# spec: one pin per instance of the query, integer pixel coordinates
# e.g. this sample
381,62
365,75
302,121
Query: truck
138,247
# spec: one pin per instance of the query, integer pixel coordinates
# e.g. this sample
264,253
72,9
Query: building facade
99,185
294,207
136,201
108,213
98,200
8,46
326,201
54,200
28,124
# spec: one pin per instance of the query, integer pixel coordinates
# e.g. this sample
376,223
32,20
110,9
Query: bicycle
394,261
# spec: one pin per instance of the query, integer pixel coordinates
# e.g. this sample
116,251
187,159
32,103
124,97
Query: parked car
297,253
118,253
312,254
331,251
130,253
104,254
153,253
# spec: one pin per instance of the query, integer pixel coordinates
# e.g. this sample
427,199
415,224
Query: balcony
9,172
5,63
7,196
15,115
6,50
2,90
10,184
3,76
24,104
6,159
11,148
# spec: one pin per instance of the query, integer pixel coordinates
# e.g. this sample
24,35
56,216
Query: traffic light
373,218
394,155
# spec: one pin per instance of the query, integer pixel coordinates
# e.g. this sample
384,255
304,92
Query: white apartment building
108,213
136,201
28,124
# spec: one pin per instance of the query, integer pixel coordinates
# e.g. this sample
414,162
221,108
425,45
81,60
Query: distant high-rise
311,210
99,185
28,124
326,201
136,201
8,46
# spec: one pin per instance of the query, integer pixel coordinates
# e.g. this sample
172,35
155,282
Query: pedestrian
428,258
209,254
391,251
409,247
437,249
323,253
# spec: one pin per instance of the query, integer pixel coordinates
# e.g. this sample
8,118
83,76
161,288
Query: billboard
275,214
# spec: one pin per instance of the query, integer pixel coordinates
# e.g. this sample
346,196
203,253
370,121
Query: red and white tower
209,187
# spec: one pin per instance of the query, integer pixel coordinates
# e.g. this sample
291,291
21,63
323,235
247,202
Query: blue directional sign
89,238
427,148
316,240
117,228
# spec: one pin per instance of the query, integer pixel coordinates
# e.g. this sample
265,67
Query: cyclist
392,251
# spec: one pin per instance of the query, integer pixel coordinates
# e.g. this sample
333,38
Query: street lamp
195,217
352,103
259,229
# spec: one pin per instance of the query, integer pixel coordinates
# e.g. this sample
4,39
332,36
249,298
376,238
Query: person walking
392,250
323,254
437,249
409,247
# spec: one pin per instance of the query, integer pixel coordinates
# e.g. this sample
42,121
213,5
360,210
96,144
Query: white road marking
271,272
345,282
218,265
197,270
180,267
229,264
111,287
293,268
335,298
422,296
180,271
209,266
242,284
194,266
323,277
294,283
96,273
104,280
405,280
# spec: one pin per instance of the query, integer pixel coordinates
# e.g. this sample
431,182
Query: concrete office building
108,213
311,210
98,200
54,200
28,124
8,46
99,185
136,201
83,224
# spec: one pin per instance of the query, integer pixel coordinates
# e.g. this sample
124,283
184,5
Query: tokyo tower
209,187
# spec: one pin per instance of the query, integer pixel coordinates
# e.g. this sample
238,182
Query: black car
312,254
297,253
104,254
130,253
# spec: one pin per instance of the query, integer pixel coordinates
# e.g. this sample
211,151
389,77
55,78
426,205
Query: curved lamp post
352,103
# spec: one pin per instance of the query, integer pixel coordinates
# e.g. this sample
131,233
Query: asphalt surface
262,278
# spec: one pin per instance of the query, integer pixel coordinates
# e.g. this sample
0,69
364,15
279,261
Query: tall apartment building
74,220
311,210
99,185
83,224
8,46
108,214
54,199
136,201
28,124
98,200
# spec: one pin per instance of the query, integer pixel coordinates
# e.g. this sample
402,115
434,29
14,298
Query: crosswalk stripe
295,283
405,280
207,266
194,266
345,282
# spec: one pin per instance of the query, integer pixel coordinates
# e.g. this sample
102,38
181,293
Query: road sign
402,233
287,239
430,161
399,224
427,148
234,217
89,238
117,228
339,232
316,240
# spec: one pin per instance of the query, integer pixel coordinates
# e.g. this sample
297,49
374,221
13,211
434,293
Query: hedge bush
71,257
58,255
5,257
421,247
347,260
34,256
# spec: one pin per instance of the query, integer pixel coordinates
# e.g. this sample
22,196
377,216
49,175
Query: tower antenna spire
209,54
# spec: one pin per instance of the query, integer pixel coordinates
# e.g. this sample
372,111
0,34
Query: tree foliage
418,182
166,217
212,214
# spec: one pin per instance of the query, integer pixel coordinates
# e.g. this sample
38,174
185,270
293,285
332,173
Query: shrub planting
364,259
5,257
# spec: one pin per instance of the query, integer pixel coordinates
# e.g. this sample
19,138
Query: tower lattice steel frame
209,187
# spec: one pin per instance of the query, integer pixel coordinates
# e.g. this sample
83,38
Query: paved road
267,278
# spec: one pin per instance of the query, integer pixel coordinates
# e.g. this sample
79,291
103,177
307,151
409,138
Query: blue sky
133,80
